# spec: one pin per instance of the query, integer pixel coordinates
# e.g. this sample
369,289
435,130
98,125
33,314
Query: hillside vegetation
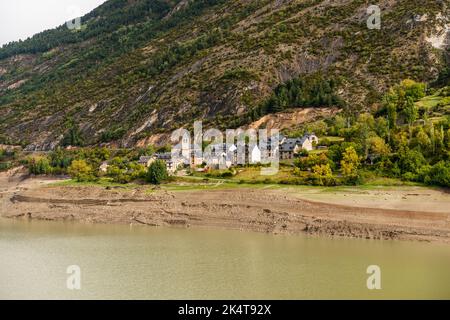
144,67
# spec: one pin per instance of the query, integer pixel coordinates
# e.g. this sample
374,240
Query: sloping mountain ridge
139,68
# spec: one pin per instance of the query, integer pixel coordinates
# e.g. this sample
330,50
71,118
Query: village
225,156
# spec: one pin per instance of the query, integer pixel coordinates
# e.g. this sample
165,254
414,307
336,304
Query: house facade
172,164
292,146
146,161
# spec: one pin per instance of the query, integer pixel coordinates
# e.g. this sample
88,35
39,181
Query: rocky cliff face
139,69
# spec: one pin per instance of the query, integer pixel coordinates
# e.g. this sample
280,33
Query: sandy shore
364,215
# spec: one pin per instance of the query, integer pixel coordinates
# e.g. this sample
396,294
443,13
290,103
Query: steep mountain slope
138,68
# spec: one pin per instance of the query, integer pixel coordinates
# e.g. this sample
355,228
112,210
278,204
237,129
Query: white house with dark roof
146,161
291,146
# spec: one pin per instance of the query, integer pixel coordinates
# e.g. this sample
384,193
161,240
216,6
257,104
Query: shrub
5,165
39,165
60,159
310,161
118,174
439,174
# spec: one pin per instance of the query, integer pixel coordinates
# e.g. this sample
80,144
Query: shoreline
281,211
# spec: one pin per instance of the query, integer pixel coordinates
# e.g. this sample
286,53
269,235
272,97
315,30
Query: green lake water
123,262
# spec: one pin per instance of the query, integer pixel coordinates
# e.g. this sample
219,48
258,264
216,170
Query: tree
118,174
448,139
423,141
319,127
311,160
392,115
439,174
73,137
163,149
411,161
80,171
411,112
413,89
378,146
363,130
322,174
157,172
336,152
382,127
147,151
439,139
349,164
60,159
337,124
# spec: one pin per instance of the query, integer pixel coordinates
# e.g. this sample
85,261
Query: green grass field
249,177
429,102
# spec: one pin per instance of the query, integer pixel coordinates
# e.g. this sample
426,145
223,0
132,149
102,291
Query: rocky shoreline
269,211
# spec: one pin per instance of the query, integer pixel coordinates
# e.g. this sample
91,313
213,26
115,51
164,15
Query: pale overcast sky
20,19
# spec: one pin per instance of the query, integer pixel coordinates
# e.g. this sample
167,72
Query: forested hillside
139,68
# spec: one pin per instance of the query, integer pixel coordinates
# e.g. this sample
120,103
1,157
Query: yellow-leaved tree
322,174
80,171
349,164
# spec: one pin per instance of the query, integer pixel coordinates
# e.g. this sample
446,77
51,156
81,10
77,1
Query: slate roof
164,156
145,159
290,144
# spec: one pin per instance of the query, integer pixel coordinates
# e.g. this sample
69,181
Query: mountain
138,69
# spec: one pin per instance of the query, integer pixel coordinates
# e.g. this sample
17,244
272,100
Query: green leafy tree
439,174
73,137
423,142
117,174
382,127
335,152
392,115
448,139
60,159
411,161
157,172
411,112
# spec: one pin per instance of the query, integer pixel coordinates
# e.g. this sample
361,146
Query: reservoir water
123,262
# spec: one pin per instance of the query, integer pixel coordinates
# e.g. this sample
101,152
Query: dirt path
272,211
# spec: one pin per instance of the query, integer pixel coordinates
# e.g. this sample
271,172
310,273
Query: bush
5,165
411,161
60,159
81,171
157,172
310,161
39,165
439,174
118,174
